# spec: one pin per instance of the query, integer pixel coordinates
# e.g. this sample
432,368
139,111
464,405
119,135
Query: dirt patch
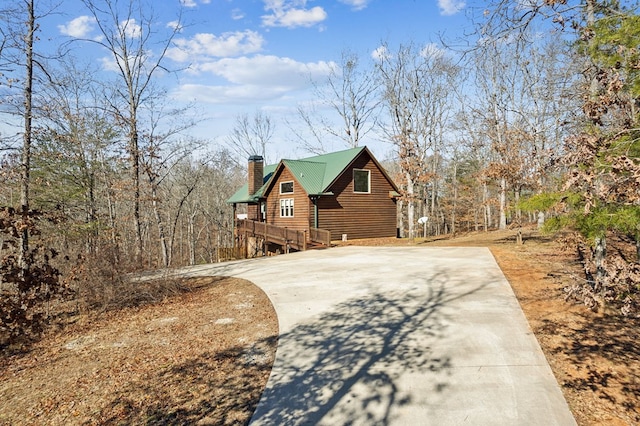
200,358
593,356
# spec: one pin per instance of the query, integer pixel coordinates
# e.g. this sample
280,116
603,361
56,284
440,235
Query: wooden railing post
286,240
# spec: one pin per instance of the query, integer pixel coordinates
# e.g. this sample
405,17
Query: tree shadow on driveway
353,364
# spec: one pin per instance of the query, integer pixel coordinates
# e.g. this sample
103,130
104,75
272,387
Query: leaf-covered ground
204,357
200,358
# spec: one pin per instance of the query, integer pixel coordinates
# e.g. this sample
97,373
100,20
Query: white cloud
227,95
257,78
79,27
380,53
131,28
193,3
356,4
267,71
175,25
109,64
432,50
292,14
204,46
450,7
237,14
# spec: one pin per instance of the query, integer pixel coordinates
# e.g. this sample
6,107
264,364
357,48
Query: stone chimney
256,173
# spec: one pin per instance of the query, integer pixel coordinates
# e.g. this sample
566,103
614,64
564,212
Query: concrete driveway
399,335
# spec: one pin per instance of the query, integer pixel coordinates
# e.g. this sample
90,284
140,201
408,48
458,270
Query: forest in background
533,118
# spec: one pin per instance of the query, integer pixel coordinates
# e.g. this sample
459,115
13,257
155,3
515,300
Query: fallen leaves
180,361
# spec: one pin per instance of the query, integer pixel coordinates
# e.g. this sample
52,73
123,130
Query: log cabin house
341,195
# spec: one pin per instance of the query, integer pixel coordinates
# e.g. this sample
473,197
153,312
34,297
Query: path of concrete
399,336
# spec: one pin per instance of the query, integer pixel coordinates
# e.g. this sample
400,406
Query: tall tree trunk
600,253
517,203
160,224
400,221
191,238
455,198
25,161
134,152
410,207
487,207
503,204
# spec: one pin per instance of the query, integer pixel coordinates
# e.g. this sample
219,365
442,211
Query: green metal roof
310,174
242,194
315,174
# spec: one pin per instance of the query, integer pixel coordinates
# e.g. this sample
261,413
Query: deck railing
321,236
286,237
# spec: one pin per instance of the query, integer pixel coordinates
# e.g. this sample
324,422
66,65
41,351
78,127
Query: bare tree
417,98
251,136
129,34
353,93
25,161
403,83
19,61
315,124
76,136
161,154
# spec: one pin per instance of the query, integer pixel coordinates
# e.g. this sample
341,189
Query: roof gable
315,174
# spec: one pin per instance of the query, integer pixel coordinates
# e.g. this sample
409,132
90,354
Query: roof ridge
306,160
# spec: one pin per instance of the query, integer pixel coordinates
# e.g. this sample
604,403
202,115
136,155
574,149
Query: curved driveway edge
399,335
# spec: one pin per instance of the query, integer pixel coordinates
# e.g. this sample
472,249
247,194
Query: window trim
288,181
287,207
368,191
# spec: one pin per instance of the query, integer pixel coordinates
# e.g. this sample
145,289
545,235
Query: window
286,207
286,187
361,180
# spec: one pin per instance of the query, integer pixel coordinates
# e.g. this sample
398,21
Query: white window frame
286,207
281,183
368,191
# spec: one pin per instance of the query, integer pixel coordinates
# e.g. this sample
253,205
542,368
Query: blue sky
242,56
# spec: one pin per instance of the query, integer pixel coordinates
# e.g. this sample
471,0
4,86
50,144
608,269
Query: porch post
314,200
235,226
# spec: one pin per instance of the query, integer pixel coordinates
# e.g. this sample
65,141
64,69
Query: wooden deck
287,238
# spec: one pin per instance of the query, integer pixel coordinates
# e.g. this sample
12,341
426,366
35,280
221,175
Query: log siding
301,203
359,215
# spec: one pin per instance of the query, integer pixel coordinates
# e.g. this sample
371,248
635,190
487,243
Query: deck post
286,240
235,225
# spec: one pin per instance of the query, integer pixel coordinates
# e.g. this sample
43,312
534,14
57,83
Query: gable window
286,187
286,207
361,181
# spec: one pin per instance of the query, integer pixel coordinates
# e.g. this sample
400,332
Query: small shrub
28,283
103,283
